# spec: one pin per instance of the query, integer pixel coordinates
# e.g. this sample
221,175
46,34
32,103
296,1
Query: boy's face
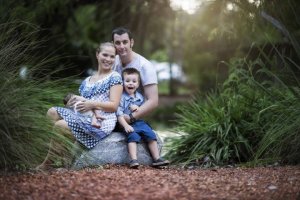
131,83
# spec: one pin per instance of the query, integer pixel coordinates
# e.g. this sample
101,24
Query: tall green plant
218,126
281,140
25,132
254,116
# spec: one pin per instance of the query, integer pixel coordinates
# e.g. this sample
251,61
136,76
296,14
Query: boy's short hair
131,71
134,71
67,98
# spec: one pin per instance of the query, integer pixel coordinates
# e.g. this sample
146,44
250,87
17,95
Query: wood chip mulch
113,182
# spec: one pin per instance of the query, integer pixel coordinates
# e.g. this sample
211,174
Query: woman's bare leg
53,115
62,127
62,150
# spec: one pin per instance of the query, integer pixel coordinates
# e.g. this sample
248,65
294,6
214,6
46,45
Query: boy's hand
128,128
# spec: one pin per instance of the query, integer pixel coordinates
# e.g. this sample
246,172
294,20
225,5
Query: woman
102,91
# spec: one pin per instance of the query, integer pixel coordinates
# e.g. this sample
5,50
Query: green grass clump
253,118
25,132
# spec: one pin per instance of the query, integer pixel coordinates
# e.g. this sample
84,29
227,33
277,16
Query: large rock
112,150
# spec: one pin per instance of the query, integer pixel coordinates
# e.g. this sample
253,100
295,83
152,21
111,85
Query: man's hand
134,108
151,94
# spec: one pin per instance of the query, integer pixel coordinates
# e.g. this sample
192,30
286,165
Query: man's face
123,44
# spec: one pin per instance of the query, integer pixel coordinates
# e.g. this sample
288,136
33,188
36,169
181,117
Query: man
127,58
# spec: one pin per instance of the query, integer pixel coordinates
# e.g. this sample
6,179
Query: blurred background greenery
198,35
212,41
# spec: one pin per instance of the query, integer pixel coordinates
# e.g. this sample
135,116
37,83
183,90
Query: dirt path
119,182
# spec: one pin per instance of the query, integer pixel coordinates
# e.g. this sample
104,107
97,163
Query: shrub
25,131
253,117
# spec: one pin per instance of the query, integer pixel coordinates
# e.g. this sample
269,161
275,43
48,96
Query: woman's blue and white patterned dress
79,124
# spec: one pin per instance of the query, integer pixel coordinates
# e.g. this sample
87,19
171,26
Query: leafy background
240,57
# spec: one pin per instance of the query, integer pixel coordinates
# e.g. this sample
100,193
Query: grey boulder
112,150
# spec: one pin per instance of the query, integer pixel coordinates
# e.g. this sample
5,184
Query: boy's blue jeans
141,131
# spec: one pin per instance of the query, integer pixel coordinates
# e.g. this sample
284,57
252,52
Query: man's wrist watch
132,119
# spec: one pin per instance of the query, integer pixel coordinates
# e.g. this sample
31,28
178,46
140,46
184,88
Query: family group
116,98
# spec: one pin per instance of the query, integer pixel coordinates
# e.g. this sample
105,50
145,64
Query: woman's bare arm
109,106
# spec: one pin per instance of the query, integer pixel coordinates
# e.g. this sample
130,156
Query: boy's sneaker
160,162
134,164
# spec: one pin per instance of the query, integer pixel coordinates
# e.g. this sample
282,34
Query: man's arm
151,96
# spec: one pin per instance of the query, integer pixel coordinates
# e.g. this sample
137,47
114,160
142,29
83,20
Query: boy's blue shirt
126,101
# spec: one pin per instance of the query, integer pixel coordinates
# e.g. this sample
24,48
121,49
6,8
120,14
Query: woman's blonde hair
104,44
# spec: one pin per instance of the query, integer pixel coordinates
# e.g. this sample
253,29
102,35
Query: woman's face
106,57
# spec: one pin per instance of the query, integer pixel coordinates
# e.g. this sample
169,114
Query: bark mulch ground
118,182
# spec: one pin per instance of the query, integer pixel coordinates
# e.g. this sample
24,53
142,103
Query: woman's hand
85,105
71,102
74,100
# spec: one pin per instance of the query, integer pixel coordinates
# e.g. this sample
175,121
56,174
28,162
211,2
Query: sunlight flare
189,6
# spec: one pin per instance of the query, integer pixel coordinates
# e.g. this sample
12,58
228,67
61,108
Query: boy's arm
124,124
120,116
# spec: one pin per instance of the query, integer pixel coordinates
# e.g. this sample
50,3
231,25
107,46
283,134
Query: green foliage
253,117
181,89
224,29
25,132
200,70
281,138
164,116
159,56
75,28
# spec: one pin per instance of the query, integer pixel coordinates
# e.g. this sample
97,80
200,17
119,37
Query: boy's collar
137,95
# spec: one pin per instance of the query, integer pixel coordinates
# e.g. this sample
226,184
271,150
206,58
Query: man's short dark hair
121,31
